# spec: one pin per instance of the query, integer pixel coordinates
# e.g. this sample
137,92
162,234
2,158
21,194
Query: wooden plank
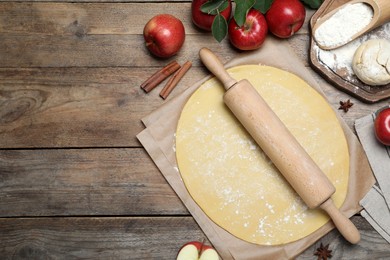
94,18
97,107
80,77
96,238
334,96
112,50
93,35
78,107
371,246
96,1
82,19
83,182
97,50
33,116
82,64
141,238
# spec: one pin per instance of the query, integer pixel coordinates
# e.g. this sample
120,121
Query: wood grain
74,180
141,238
93,35
96,50
96,238
77,107
71,107
371,246
81,19
60,18
83,182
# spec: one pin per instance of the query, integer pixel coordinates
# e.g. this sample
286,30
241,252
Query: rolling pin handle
342,223
215,66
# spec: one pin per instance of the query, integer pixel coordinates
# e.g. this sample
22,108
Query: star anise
345,105
323,252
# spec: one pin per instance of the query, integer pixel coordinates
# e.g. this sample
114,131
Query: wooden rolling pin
279,145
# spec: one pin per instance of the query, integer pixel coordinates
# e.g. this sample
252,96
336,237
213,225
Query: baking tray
342,78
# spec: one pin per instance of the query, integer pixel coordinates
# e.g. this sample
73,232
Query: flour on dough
371,62
233,181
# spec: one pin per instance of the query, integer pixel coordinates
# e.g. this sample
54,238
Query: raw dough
371,62
232,180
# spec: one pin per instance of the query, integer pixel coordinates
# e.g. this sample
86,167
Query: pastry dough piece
371,62
234,182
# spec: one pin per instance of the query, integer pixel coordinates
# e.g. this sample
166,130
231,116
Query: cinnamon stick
159,76
174,80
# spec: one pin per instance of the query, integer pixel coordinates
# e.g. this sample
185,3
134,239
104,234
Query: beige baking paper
159,137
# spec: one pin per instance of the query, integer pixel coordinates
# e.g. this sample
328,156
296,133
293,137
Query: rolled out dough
231,179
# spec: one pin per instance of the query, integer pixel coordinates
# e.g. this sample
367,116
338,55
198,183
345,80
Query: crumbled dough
371,62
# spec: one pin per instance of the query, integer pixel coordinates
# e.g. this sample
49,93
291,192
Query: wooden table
74,180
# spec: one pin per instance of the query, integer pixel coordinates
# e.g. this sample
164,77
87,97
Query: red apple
164,35
285,17
196,250
382,126
203,20
251,34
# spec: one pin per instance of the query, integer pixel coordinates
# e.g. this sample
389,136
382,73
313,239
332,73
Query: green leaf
263,5
219,27
315,4
242,8
214,7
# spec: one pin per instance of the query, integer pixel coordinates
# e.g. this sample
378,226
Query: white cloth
376,203
376,212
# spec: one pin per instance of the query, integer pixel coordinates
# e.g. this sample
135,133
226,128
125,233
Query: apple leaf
242,8
315,4
213,7
219,27
263,5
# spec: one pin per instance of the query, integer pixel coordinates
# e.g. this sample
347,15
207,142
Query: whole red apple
203,20
285,17
196,250
164,35
382,126
251,34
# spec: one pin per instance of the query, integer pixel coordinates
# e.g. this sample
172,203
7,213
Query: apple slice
209,254
196,250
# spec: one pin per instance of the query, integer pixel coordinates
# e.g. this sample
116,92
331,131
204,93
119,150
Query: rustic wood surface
74,180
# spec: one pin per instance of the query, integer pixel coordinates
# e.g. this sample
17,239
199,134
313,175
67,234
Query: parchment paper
159,137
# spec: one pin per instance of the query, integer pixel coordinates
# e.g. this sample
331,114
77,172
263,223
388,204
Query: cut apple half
196,250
